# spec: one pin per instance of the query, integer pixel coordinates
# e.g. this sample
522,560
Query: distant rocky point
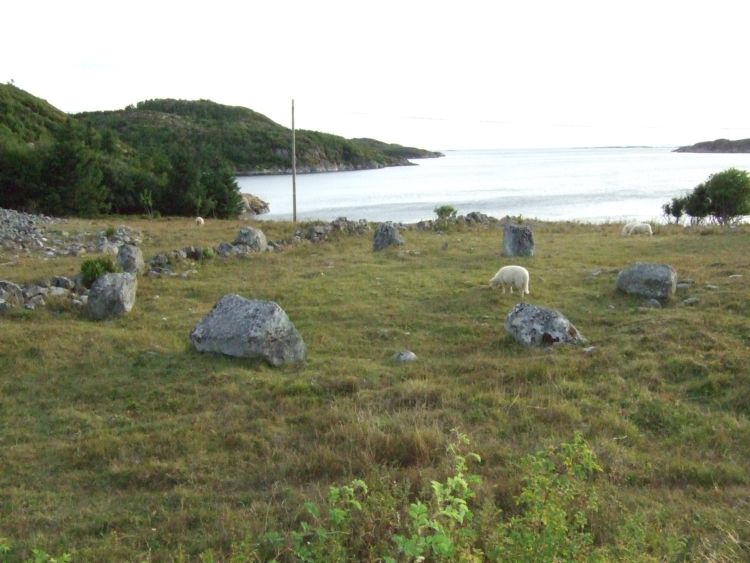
719,145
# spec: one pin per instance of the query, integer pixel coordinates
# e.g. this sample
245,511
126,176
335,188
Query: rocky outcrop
718,146
112,295
249,328
650,281
536,326
252,206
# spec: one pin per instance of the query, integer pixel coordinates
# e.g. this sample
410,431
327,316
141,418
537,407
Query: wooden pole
294,170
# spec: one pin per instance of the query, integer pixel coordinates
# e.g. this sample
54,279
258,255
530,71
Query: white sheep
199,221
512,276
637,228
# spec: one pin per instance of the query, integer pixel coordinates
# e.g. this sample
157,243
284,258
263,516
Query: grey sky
433,74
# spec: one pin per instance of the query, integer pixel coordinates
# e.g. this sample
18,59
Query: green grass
118,441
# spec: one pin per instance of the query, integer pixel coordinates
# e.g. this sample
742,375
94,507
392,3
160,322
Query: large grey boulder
11,295
536,326
255,239
112,295
650,281
249,328
386,235
518,240
130,259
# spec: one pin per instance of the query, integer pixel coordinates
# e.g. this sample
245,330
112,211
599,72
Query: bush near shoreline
120,442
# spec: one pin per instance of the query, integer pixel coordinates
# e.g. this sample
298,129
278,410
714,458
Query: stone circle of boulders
386,235
650,281
531,325
518,240
249,328
130,259
112,295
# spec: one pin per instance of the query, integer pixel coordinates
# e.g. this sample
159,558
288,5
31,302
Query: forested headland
169,157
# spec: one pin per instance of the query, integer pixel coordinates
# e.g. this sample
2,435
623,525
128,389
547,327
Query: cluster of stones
32,235
111,295
321,233
474,218
24,231
33,295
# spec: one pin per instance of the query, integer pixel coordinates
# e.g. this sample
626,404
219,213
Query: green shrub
93,268
725,197
445,212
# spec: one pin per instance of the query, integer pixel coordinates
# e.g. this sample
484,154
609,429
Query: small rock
404,356
690,301
712,286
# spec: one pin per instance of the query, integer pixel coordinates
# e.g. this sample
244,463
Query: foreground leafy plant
552,524
441,528
325,536
555,500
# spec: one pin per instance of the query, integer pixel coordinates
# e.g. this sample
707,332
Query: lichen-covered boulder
536,326
650,281
130,259
249,328
518,240
255,239
112,295
386,235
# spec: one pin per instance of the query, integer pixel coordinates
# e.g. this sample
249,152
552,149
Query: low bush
93,268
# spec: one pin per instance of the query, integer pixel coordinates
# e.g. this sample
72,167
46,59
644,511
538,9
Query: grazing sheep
512,276
637,228
199,221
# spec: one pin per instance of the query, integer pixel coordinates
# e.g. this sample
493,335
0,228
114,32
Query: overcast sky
438,75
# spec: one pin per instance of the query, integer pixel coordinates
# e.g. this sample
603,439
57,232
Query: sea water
581,184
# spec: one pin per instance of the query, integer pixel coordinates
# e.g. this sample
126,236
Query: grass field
120,442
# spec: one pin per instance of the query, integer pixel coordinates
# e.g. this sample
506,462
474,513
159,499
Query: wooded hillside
173,157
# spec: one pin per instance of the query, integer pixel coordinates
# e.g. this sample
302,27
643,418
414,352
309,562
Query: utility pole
294,170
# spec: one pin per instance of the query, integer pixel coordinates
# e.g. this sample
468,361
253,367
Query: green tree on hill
74,178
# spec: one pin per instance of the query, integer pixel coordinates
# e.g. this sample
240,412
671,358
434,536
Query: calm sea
585,184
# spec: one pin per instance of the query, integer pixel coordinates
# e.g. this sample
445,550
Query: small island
718,146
